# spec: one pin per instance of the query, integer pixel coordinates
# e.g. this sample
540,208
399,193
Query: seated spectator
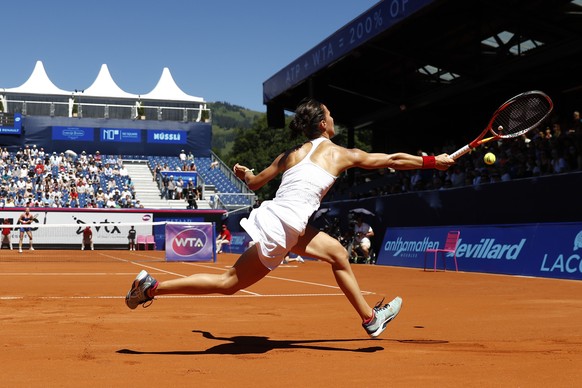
223,238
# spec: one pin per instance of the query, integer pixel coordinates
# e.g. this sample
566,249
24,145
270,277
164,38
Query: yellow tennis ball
489,158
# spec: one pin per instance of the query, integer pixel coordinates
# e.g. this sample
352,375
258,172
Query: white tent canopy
105,86
166,89
38,83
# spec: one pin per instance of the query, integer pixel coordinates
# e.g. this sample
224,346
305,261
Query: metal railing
108,110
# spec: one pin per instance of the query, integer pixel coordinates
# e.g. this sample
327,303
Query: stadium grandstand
425,76
102,147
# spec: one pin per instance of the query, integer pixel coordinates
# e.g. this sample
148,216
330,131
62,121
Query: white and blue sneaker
382,316
139,290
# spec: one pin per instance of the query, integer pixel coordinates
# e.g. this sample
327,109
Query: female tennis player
280,225
25,220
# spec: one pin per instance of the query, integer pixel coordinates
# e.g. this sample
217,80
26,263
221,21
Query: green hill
227,120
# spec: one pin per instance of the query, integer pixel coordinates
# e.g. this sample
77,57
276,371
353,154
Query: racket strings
521,115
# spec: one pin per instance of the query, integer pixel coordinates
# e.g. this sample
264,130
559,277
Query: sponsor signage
381,17
104,225
120,135
10,124
73,133
167,136
239,242
540,250
191,242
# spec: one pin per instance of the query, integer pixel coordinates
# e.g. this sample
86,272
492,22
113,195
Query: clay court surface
65,324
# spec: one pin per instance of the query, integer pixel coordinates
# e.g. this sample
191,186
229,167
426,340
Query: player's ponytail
308,115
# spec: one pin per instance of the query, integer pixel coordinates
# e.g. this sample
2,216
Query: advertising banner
191,242
160,230
10,124
167,136
73,133
239,242
540,250
120,135
65,228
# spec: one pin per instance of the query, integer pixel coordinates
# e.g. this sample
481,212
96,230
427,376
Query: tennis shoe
139,290
383,314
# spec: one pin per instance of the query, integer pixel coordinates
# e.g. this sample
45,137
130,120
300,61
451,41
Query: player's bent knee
229,285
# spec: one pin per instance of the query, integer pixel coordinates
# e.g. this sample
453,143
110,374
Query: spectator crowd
544,151
32,177
35,178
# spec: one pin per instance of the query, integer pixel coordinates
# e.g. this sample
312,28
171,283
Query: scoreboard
6,120
10,123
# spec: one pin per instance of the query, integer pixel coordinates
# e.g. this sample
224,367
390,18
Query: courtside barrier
193,241
551,250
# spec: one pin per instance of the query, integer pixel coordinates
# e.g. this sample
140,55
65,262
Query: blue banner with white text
72,133
167,136
10,124
120,135
540,250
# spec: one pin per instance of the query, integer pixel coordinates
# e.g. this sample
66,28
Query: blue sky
220,50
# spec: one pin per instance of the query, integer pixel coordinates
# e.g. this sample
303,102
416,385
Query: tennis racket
514,118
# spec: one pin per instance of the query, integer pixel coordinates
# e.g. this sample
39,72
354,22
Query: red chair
149,240
450,247
141,240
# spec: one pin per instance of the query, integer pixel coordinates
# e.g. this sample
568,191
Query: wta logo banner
190,242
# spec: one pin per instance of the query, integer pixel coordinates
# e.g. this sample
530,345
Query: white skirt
273,236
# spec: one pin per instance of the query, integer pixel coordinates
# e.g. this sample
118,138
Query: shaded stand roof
436,65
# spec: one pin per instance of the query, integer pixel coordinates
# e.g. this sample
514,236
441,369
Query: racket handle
460,152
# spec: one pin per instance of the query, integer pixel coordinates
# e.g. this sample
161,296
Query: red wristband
428,162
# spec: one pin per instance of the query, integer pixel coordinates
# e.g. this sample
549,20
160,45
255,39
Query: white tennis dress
277,224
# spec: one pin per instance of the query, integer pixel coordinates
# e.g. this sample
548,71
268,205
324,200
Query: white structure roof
166,89
105,86
38,83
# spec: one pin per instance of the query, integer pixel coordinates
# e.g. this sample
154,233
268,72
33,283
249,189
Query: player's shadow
259,345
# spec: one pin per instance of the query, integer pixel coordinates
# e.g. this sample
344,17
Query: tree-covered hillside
241,136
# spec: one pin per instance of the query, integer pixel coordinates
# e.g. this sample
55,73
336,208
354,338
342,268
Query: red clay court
65,324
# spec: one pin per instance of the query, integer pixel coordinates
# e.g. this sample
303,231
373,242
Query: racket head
520,114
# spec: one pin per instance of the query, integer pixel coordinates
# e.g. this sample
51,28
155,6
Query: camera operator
362,243
191,195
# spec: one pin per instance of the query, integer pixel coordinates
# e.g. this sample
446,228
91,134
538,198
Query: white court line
66,274
286,279
214,267
4,298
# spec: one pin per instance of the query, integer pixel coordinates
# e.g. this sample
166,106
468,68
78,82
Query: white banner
104,226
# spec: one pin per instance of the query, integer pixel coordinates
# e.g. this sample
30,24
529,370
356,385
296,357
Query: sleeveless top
302,188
